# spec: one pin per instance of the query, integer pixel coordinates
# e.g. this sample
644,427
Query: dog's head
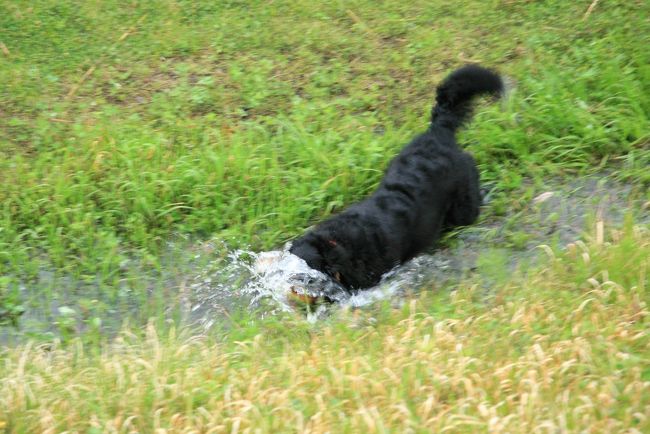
332,257
285,273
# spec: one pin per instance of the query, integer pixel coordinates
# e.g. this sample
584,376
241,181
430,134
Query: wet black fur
432,185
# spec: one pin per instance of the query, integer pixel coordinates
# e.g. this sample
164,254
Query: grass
129,127
122,125
560,348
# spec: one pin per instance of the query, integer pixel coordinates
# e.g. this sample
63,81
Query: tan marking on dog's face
301,298
337,276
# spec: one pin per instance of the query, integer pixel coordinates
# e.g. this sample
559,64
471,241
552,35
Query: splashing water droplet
270,282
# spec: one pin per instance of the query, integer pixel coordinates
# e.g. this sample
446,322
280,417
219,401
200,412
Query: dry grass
563,349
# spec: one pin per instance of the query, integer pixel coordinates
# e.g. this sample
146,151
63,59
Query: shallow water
264,281
204,282
557,215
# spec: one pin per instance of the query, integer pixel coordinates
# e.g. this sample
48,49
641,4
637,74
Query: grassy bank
123,124
561,348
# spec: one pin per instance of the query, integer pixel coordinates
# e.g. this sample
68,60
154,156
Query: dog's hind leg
466,201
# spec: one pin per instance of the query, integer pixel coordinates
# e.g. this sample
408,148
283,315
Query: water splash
263,282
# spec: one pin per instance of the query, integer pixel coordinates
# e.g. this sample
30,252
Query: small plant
10,306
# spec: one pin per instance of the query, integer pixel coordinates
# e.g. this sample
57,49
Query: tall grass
561,348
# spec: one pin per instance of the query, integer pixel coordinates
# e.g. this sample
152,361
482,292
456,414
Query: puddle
203,283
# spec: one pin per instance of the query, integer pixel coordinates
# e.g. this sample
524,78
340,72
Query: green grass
123,124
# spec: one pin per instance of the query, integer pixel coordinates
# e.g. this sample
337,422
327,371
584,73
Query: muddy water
205,283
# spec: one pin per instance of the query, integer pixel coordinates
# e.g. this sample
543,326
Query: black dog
432,185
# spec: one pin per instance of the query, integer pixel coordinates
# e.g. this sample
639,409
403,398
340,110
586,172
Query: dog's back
432,184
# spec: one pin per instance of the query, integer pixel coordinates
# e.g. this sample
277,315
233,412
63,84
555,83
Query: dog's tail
454,95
